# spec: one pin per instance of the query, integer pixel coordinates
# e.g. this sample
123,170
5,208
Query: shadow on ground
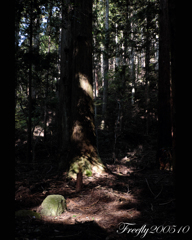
138,195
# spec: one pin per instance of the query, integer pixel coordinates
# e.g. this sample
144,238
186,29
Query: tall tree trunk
47,77
126,32
132,63
29,132
46,96
117,48
106,63
102,64
172,14
78,86
65,79
147,62
164,114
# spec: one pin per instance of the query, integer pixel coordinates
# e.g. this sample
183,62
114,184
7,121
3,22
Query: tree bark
172,14
77,86
164,113
147,62
29,132
65,79
106,63
132,63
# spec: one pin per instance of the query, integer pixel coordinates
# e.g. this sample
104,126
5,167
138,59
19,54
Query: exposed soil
131,192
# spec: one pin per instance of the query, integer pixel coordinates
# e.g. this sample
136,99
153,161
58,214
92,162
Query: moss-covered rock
27,213
53,205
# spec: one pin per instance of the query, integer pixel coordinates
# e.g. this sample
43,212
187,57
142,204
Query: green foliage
88,173
80,163
86,164
27,213
133,25
20,120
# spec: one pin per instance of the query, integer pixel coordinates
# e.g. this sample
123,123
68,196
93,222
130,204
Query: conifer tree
77,84
164,109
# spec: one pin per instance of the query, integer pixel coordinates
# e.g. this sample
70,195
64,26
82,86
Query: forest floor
132,192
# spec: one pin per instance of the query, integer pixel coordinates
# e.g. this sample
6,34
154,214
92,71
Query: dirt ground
131,192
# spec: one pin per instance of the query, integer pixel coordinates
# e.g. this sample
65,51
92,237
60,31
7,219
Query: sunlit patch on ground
130,192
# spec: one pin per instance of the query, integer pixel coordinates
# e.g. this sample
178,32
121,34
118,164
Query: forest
95,119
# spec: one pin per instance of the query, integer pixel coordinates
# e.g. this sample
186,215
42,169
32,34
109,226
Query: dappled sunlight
101,206
77,134
79,138
102,126
104,201
95,107
85,85
38,131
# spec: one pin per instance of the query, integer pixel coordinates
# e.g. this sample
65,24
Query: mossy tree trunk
83,152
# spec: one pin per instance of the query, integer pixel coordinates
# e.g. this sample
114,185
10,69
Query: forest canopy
111,61
95,118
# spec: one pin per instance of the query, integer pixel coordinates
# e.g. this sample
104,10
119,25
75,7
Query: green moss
88,165
88,173
26,213
79,163
53,205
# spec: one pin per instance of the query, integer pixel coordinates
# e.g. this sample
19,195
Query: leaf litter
131,191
